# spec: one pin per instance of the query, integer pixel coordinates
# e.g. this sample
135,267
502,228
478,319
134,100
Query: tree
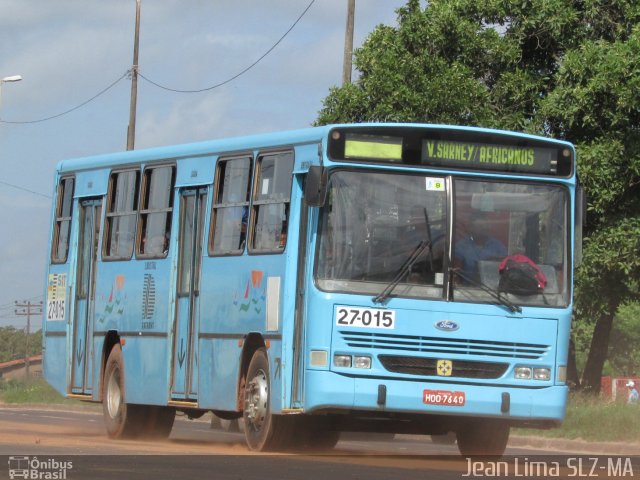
624,349
562,68
14,341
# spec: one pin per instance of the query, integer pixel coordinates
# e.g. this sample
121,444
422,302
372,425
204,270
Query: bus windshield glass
373,222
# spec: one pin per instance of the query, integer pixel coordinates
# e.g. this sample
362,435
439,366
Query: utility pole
27,309
348,43
131,131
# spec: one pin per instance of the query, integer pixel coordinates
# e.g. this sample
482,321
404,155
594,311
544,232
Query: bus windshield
372,223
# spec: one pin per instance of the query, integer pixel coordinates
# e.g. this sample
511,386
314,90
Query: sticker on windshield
434,184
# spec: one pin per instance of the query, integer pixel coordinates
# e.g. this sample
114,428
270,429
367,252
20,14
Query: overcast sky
69,50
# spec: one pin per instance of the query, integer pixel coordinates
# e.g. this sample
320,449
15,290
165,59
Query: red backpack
520,275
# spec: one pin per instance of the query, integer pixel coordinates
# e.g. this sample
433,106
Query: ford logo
447,325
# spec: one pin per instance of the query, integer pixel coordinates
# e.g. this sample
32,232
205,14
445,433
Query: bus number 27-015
365,317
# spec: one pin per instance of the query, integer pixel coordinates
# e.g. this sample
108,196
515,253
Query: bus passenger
476,246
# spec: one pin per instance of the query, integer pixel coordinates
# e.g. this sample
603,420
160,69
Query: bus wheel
323,440
158,421
484,438
122,420
314,433
263,431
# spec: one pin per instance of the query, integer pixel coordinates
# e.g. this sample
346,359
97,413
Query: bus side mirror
582,204
580,222
315,187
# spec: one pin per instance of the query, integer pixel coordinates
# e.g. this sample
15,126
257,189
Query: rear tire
483,438
122,419
158,422
263,431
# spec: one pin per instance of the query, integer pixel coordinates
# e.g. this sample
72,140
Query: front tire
314,433
122,420
263,431
483,438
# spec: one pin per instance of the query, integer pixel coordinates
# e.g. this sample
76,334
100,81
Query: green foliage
13,343
624,348
564,68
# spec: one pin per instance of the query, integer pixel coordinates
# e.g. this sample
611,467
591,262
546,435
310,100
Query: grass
594,419
31,391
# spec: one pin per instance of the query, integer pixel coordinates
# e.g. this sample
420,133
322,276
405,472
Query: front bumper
329,391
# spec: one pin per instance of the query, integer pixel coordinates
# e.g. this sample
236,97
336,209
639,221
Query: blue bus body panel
129,301
232,304
57,333
92,183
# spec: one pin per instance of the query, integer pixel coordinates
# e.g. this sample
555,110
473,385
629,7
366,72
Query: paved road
195,451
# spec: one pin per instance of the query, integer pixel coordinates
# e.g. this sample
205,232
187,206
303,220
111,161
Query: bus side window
60,247
272,192
122,212
230,212
156,207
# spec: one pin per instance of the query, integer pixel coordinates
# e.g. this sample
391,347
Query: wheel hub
114,395
256,400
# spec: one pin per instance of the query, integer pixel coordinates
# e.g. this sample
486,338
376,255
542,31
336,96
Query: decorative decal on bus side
56,296
148,301
255,294
116,302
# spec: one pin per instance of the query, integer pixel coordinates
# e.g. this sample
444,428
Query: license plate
443,397
365,317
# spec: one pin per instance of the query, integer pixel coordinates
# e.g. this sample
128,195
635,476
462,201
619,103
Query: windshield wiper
513,308
402,271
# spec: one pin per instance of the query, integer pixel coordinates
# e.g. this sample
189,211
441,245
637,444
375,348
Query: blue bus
405,278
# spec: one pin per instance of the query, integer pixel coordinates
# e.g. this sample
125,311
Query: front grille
427,367
444,346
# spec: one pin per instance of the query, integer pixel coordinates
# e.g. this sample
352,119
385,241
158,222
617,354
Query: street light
12,78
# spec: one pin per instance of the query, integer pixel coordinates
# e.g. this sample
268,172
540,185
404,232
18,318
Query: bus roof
255,142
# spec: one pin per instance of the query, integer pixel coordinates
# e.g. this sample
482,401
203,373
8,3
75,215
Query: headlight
523,373
342,361
541,374
362,362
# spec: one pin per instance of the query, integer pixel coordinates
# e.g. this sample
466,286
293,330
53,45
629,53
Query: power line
128,72
25,189
239,74
12,304
71,109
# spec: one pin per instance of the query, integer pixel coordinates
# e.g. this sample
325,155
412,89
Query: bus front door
184,381
87,251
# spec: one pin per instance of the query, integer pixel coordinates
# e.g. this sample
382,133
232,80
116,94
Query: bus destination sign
454,149
490,157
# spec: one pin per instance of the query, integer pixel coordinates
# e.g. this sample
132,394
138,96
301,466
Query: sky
68,51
